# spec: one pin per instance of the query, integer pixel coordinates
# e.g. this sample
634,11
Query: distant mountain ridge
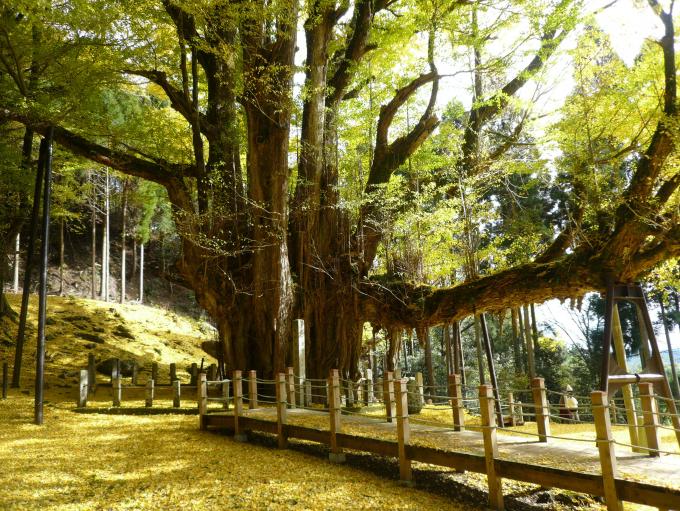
635,366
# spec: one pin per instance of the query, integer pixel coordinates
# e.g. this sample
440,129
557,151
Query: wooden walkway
567,464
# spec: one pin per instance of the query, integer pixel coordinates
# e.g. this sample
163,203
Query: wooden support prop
202,394
154,371
308,392
212,372
541,409
239,435
134,372
91,373
193,372
626,390
456,394
487,408
336,455
176,393
252,389
117,389
290,391
173,372
225,394
520,412
82,394
350,393
388,396
605,444
650,414
419,384
281,410
511,405
403,431
5,376
149,393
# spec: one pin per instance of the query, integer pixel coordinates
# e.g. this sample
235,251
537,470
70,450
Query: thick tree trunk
105,243
516,351
93,247
123,255
529,343
141,273
61,256
17,259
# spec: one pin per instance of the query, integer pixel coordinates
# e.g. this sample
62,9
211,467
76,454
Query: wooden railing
396,395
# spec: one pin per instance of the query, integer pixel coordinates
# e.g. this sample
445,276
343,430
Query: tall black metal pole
28,270
42,309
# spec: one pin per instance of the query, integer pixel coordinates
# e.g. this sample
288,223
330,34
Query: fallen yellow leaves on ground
85,462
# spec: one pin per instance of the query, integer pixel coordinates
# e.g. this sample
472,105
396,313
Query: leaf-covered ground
77,326
87,462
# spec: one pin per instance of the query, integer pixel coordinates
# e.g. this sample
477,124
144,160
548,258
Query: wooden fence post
388,395
149,393
82,394
650,415
290,391
541,409
456,393
281,410
202,394
173,372
488,412
91,373
225,394
117,389
154,371
511,407
239,435
176,393
605,444
134,372
403,431
252,389
336,455
193,372
5,379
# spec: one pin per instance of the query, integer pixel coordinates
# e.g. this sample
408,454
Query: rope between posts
537,435
664,398
425,422
669,428
649,449
379,418
576,421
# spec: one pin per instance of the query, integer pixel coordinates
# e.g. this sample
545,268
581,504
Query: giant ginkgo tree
201,96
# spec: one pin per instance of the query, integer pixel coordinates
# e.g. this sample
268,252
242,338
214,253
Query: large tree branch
160,171
179,101
355,49
494,105
634,218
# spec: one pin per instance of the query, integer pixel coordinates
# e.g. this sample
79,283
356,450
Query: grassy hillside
78,326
